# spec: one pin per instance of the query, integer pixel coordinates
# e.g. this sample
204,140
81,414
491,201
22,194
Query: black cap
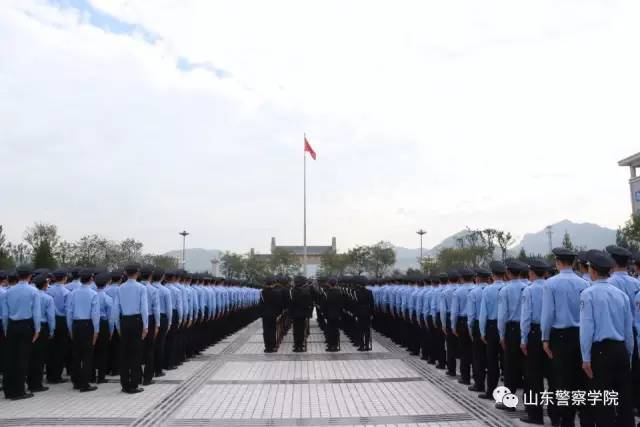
453,274
618,252
157,274
40,280
132,268
60,273
299,280
601,260
539,265
483,272
443,276
466,272
102,279
3,275
146,270
24,269
516,266
564,254
86,273
497,267
332,281
582,258
116,275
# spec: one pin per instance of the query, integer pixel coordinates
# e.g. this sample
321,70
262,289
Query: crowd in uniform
343,303
568,330
135,324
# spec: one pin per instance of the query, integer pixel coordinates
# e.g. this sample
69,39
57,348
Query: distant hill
197,259
587,235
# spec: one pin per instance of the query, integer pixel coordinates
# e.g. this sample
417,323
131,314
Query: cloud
139,118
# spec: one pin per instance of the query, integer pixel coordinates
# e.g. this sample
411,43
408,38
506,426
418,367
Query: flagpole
304,253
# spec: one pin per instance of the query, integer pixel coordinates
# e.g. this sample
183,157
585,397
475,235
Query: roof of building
311,250
631,161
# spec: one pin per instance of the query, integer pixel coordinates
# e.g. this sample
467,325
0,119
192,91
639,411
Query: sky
141,118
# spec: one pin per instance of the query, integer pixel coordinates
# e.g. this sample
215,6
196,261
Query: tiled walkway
235,384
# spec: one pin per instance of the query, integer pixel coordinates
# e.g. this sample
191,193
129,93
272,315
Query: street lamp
421,233
184,235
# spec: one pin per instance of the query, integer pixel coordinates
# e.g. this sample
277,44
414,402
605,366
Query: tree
91,251
358,259
19,253
334,264
283,262
413,272
256,268
522,256
64,253
43,256
381,258
232,265
628,236
164,262
566,241
504,240
6,263
429,265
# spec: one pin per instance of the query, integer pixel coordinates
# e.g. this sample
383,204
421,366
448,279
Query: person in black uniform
271,307
300,311
364,311
334,308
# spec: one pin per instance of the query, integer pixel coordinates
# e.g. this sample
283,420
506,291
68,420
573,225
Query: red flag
308,149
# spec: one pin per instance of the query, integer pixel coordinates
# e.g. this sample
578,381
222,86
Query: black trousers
568,373
160,345
299,332
635,372
494,352
512,357
82,345
101,351
37,360
3,340
58,350
612,372
269,332
333,333
114,354
479,356
464,348
170,344
452,346
534,364
17,354
439,341
130,351
148,351
364,331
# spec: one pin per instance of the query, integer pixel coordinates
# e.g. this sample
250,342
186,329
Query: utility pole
184,235
549,235
421,233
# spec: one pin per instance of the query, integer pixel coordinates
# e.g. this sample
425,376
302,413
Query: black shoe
362,348
23,396
133,390
450,374
528,420
88,388
297,350
441,366
475,388
159,374
431,362
172,368
464,382
502,407
58,381
38,389
102,381
485,396
148,382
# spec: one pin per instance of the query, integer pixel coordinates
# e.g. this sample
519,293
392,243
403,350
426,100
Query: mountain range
585,235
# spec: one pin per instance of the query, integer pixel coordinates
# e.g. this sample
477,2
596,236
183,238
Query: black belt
14,322
132,316
513,323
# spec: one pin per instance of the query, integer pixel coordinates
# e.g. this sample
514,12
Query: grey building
633,162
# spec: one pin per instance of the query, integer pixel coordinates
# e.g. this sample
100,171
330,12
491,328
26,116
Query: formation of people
566,335
135,323
343,303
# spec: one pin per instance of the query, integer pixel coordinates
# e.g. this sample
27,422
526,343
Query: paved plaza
235,384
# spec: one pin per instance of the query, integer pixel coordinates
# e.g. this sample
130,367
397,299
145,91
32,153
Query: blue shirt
72,286
48,311
509,302
106,307
446,296
604,315
164,299
531,308
21,302
489,305
130,300
561,302
435,301
153,299
59,294
474,300
83,304
627,284
459,302
176,300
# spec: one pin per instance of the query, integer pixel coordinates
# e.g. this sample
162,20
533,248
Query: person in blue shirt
114,344
621,279
478,347
583,266
131,316
153,300
459,323
166,319
606,342
438,340
3,288
451,341
488,324
60,345
41,345
83,320
537,365
21,320
175,328
559,324
74,277
101,351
